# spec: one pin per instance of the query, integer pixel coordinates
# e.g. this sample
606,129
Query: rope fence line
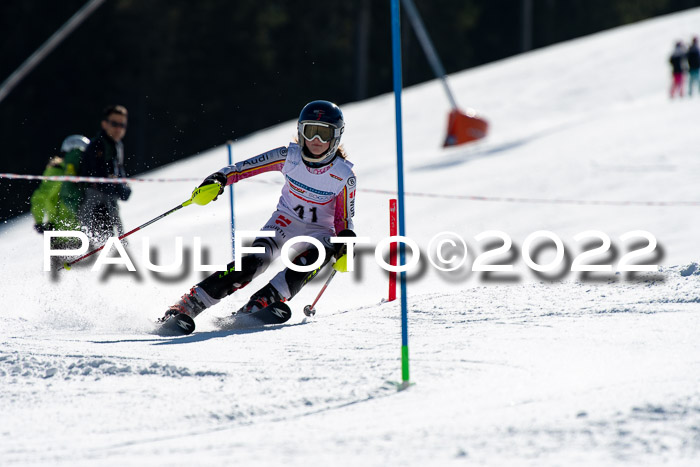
75,179
502,199
496,199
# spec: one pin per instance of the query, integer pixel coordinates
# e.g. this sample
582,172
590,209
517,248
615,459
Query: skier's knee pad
267,255
223,283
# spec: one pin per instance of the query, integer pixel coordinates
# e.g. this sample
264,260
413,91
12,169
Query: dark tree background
195,74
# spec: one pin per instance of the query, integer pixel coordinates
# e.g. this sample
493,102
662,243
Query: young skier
317,200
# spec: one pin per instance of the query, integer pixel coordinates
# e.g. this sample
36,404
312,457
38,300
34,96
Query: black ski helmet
323,120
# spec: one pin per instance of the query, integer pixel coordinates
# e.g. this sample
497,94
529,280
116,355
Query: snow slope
512,368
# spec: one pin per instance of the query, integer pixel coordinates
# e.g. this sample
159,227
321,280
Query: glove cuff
341,248
217,177
347,233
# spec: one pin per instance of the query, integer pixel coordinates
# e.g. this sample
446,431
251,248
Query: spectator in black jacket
693,58
678,65
104,157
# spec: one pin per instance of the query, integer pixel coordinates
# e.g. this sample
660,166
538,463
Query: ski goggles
322,131
115,124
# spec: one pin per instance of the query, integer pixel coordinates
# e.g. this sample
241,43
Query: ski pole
309,310
68,265
201,195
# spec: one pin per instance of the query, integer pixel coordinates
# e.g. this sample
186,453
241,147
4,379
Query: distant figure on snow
677,61
693,58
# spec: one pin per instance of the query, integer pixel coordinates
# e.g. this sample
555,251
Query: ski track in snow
509,370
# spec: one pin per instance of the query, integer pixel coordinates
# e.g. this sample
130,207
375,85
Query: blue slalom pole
229,144
396,56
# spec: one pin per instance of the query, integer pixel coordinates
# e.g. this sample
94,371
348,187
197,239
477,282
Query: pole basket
463,128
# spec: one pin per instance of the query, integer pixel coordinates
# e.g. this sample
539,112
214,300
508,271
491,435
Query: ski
182,324
277,313
177,325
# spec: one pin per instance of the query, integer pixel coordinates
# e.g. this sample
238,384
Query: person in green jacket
72,193
54,204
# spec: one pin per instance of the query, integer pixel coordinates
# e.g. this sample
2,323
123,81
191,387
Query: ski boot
261,299
191,304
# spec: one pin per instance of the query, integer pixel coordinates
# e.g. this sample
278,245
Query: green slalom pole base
406,383
400,386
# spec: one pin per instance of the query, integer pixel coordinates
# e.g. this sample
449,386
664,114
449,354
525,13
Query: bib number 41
301,212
